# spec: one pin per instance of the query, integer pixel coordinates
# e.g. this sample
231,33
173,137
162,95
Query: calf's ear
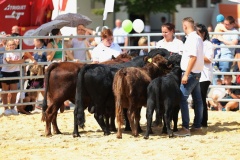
113,57
145,59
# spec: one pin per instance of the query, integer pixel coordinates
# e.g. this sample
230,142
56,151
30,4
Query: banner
109,7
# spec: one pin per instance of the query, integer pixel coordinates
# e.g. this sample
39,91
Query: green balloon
127,25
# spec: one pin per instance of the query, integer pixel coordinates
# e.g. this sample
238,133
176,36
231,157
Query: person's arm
50,54
29,56
226,42
125,43
9,61
69,54
87,30
191,63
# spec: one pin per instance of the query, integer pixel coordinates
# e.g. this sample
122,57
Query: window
201,3
187,4
214,2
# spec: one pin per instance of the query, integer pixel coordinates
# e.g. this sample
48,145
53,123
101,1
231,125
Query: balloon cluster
137,25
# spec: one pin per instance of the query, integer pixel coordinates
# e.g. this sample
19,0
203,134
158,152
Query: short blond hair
143,41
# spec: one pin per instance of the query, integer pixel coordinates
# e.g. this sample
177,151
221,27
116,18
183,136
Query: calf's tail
46,84
79,104
118,92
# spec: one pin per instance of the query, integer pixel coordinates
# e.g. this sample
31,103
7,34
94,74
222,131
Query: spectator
210,29
15,29
219,28
36,70
118,30
206,74
106,48
57,43
231,93
228,53
192,63
143,41
10,71
169,41
26,97
81,42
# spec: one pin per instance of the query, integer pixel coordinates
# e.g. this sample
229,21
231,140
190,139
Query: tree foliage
145,7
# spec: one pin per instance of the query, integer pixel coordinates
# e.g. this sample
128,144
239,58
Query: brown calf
130,90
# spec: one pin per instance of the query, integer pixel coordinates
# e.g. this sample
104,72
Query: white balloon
138,25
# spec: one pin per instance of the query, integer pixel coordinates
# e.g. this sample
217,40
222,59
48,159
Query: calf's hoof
107,133
171,135
76,135
119,137
48,135
146,137
57,132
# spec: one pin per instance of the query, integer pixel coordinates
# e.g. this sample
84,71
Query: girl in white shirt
105,49
169,41
206,74
10,71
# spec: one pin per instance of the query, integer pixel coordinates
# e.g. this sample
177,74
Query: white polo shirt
193,46
174,46
102,53
208,51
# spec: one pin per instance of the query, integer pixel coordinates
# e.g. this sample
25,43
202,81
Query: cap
220,18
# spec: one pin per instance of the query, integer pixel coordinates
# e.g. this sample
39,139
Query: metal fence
22,77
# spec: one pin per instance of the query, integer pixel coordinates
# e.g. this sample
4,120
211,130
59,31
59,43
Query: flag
62,5
109,6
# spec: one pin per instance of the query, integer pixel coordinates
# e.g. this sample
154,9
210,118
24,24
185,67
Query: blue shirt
40,56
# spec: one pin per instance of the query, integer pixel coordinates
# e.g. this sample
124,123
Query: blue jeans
192,87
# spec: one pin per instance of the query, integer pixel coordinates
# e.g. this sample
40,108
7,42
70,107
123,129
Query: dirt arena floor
22,138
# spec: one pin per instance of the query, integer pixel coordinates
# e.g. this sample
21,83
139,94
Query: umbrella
46,28
75,19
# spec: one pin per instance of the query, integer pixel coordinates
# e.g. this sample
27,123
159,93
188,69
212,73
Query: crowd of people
198,49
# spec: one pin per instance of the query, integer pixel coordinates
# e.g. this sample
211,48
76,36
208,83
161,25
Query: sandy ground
21,138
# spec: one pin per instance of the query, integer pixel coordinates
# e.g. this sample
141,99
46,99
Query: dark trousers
204,88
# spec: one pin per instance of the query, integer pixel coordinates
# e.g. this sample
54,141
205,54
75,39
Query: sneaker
14,112
7,112
182,132
198,131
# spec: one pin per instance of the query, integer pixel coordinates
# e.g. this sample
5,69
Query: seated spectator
219,28
231,93
143,41
26,97
55,43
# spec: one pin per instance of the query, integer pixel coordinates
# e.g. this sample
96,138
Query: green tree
145,7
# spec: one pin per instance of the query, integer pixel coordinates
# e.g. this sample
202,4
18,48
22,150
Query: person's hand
34,62
82,27
184,79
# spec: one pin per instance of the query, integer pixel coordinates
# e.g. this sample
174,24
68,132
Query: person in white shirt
207,73
118,30
192,63
11,71
106,48
169,41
